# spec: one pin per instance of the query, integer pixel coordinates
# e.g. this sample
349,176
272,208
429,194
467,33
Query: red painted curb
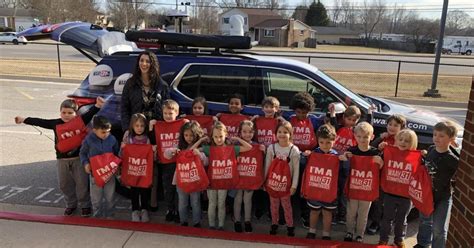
180,230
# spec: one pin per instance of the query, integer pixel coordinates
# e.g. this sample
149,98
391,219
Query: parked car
11,37
216,74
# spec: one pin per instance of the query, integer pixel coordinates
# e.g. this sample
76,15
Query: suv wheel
449,51
15,41
468,52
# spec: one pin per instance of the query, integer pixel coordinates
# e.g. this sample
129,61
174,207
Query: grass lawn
452,88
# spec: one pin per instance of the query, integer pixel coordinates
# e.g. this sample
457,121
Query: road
324,61
27,163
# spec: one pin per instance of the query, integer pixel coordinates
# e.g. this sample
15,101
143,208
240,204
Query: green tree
317,15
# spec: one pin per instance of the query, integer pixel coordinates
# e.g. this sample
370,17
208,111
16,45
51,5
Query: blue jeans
433,229
183,203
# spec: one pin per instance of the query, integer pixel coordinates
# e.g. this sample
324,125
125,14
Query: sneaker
399,244
341,222
348,237
290,231
86,212
184,224
221,228
381,242
136,216
311,235
305,222
212,227
238,226
419,246
359,239
373,228
326,238
248,227
69,211
273,229
169,216
145,216
197,225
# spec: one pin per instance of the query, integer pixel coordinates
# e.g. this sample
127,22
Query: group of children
225,144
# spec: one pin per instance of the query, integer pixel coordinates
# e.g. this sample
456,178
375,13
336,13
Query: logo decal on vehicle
120,82
101,75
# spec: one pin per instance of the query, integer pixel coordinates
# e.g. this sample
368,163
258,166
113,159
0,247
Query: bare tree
300,12
14,4
336,12
370,16
127,14
456,22
67,10
421,31
207,16
348,13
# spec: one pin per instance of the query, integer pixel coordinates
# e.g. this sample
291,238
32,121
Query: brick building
461,227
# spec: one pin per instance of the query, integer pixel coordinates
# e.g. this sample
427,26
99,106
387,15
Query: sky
426,8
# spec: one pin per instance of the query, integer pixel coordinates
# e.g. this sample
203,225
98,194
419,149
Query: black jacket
132,100
442,168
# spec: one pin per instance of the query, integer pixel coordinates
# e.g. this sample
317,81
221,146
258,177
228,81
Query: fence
375,77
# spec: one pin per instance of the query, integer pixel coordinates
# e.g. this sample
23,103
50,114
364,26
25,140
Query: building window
225,20
301,32
269,33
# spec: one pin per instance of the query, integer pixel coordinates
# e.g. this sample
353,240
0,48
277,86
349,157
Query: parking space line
24,93
35,82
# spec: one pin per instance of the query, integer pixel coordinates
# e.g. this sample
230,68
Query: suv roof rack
190,40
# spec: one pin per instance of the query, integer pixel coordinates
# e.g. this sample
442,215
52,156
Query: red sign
363,183
320,177
205,121
190,174
266,130
278,181
345,138
137,165
303,134
421,191
232,123
167,136
70,134
222,171
250,168
104,167
398,169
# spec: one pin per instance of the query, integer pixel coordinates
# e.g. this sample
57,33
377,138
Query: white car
10,37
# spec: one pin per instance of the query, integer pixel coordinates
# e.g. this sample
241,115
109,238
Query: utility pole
433,92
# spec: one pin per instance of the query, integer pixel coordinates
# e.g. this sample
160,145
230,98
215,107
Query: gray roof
272,23
19,12
322,30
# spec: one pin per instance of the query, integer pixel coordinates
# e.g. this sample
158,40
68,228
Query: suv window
285,84
218,82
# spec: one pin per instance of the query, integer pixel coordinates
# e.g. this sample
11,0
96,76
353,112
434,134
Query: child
247,131
200,114
73,180
345,139
283,149
326,137
305,126
217,197
357,210
167,136
140,197
233,119
97,143
395,123
266,125
189,134
395,207
442,163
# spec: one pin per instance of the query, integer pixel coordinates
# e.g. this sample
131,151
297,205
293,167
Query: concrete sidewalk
26,231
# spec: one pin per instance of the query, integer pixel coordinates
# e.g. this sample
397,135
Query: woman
145,91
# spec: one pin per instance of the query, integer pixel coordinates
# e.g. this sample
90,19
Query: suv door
216,82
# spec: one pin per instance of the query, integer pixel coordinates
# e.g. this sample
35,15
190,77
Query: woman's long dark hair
154,71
